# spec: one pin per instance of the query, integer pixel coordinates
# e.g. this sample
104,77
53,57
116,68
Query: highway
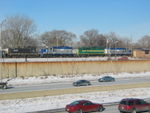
64,85
109,108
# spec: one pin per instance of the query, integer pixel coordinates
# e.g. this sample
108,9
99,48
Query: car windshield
82,81
74,103
123,102
108,77
140,102
79,81
127,102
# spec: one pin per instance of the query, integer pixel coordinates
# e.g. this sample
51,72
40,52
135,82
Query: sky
128,18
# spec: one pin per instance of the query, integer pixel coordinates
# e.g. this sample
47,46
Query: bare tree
113,39
117,41
92,38
144,42
18,32
57,38
126,43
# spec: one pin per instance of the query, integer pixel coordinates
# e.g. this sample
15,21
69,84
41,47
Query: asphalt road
63,85
108,109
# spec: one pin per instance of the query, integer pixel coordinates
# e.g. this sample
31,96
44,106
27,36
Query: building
141,53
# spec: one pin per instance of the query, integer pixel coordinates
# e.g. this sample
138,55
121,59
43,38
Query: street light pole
1,56
1,49
116,48
109,48
106,46
1,39
1,27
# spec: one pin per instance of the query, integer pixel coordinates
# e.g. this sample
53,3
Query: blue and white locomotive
57,51
118,52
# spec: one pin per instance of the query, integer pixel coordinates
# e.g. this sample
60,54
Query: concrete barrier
26,69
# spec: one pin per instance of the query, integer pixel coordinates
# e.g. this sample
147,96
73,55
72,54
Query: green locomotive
91,51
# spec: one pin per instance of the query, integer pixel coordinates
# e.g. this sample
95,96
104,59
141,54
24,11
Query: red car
123,58
81,106
133,105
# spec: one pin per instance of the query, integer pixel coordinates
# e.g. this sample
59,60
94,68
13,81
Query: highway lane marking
76,90
55,88
27,89
71,81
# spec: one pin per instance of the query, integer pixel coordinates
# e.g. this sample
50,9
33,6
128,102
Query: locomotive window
146,52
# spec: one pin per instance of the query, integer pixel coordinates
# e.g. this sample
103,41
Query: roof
146,49
91,47
142,49
131,99
61,47
82,101
117,48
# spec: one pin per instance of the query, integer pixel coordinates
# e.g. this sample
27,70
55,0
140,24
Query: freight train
65,51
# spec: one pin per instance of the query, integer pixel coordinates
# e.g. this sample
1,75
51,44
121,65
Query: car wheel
134,111
79,111
4,86
78,85
100,109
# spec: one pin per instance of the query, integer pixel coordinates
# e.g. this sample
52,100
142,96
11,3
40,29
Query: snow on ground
70,78
53,59
60,59
53,102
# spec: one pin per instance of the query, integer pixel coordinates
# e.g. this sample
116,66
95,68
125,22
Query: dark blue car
106,79
81,83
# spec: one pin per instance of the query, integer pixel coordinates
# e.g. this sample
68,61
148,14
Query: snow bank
60,59
53,102
62,78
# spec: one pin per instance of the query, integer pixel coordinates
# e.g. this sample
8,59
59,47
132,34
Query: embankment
27,69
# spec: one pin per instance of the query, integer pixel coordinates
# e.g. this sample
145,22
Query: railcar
44,52
2,53
57,51
118,51
21,52
91,51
